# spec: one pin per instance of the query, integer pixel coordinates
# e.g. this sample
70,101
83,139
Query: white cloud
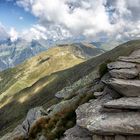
60,19
13,34
36,32
40,32
86,16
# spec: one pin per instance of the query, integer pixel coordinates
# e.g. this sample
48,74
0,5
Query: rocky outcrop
129,88
130,103
77,133
120,65
124,73
111,117
22,131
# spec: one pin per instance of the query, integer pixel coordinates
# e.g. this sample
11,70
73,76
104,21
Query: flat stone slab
120,65
124,103
77,133
129,59
128,88
124,73
102,123
98,94
135,53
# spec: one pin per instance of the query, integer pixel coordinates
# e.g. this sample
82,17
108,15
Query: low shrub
103,68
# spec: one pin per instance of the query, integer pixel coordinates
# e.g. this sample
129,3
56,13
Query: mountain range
14,53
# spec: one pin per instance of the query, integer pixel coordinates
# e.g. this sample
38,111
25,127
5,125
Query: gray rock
135,53
77,133
120,65
98,87
124,103
97,137
124,73
98,122
105,109
129,59
66,95
108,138
87,113
23,129
112,93
32,116
129,88
120,137
98,94
133,137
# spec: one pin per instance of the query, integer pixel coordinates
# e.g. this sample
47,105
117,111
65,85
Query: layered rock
77,133
134,59
120,65
124,73
132,103
129,88
111,117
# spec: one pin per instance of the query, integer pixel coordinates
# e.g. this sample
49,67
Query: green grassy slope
42,91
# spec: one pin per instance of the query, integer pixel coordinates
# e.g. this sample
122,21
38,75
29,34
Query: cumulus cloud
78,17
88,17
60,19
37,32
13,34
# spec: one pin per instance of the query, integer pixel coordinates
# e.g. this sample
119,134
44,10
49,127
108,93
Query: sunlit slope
25,75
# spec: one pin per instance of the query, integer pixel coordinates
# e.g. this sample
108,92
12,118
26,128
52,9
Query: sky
70,19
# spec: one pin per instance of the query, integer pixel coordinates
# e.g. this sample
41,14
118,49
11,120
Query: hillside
21,79
43,91
14,53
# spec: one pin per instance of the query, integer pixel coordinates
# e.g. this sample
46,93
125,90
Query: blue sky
11,15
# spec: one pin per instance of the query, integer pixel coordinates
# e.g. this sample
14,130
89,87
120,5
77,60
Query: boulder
133,137
129,59
32,116
77,133
88,112
23,129
104,123
120,137
129,88
98,94
124,73
97,137
120,65
124,103
135,53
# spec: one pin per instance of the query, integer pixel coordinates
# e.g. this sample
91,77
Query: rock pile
115,114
